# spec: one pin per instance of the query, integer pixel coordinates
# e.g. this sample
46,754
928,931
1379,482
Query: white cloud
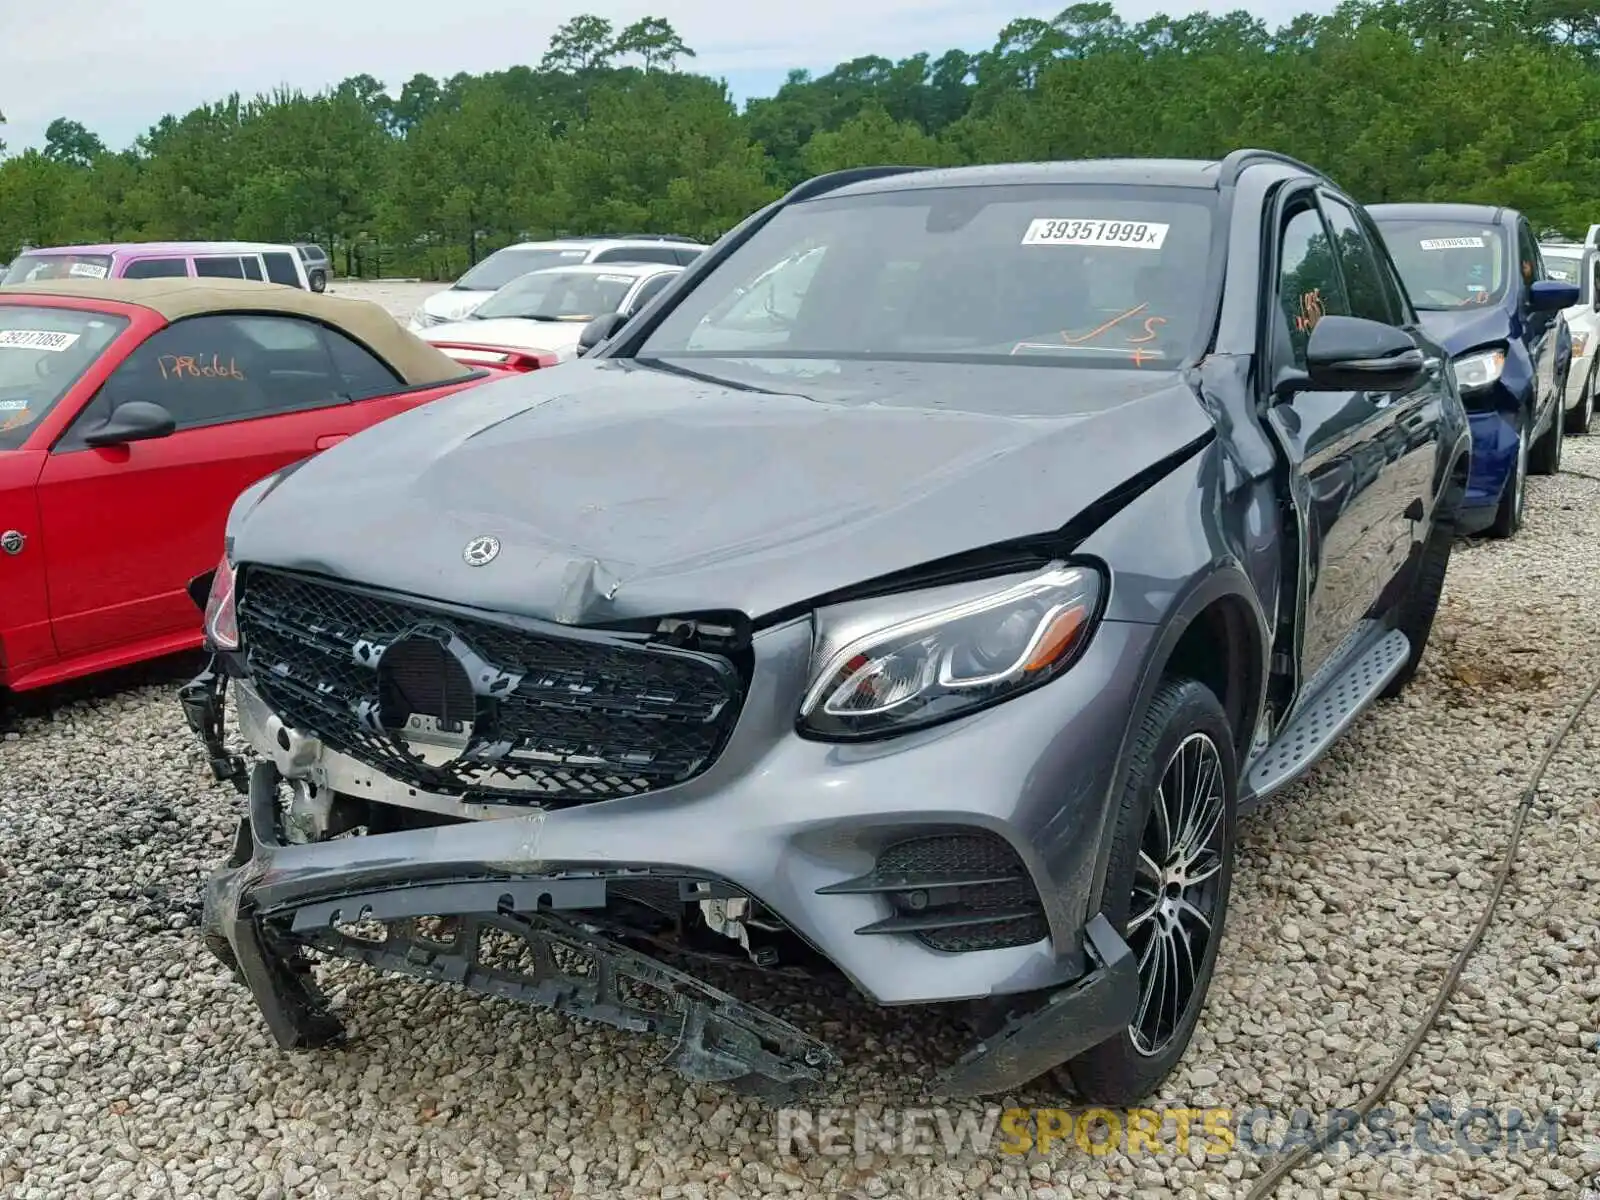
118,66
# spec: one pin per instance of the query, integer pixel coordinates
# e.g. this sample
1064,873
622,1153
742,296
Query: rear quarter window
280,268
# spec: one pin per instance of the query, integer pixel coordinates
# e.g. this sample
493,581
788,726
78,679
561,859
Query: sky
119,65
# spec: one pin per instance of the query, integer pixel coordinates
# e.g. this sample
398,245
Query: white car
536,319
1572,263
501,267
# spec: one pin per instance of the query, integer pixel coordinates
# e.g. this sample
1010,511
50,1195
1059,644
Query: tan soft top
417,362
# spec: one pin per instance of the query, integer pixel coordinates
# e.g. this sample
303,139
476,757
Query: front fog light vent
954,891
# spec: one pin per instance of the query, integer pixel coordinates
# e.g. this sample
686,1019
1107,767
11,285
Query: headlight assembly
1479,369
953,661
1580,343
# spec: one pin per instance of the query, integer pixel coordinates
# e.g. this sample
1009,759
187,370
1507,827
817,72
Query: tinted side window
207,370
363,372
649,290
1362,279
156,268
686,257
252,266
1308,282
219,268
280,268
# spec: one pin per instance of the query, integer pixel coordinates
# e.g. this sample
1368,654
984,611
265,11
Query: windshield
42,353
35,268
1448,264
558,295
501,267
1096,275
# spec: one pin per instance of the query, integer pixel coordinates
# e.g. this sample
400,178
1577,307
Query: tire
1513,497
1545,457
1421,602
319,281
1580,418
1184,720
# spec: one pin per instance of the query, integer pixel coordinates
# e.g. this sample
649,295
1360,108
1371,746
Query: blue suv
1479,285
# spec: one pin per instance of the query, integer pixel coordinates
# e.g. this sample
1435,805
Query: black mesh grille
554,719
961,891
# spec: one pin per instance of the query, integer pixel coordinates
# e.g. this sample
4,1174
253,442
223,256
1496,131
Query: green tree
654,41
69,142
874,137
583,44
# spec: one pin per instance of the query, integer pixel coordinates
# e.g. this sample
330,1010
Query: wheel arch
1215,633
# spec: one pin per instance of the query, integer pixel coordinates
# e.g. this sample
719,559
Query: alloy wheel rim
1177,890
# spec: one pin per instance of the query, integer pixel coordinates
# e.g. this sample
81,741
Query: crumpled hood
1462,329
557,336
452,305
619,491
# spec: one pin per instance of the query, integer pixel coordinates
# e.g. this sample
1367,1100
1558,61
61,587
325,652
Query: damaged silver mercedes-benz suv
915,591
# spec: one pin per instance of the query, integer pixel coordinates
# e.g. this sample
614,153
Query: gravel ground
131,1065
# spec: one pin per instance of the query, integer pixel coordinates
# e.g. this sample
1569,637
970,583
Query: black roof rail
819,185
1235,163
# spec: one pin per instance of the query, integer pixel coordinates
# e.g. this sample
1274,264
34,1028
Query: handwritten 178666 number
198,366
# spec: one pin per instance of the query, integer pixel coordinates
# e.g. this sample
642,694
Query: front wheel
1167,887
1421,603
319,281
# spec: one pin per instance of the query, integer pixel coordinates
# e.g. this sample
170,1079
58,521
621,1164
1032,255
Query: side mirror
1551,295
599,329
135,421
1353,354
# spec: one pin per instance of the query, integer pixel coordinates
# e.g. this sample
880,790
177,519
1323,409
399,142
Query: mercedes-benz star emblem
481,550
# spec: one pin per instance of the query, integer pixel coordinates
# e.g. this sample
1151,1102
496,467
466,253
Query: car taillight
222,621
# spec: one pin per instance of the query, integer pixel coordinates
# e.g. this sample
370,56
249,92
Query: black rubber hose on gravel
1275,1175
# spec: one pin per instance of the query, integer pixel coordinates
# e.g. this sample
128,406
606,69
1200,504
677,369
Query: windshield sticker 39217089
1132,234
36,339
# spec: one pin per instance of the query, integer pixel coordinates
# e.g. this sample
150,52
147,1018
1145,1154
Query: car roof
1487,214
417,362
1150,172
158,247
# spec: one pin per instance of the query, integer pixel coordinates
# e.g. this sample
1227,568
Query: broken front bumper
515,908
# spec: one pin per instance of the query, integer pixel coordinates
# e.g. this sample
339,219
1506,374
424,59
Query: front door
1340,446
1541,329
126,527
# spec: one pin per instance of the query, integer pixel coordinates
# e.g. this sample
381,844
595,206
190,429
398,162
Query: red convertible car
132,413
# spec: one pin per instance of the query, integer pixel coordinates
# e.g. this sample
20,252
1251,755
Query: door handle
330,439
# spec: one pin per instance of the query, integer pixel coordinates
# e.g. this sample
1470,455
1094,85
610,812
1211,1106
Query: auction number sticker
35,339
87,271
13,406
1455,243
1054,231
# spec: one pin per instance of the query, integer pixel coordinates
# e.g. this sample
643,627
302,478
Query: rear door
126,527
